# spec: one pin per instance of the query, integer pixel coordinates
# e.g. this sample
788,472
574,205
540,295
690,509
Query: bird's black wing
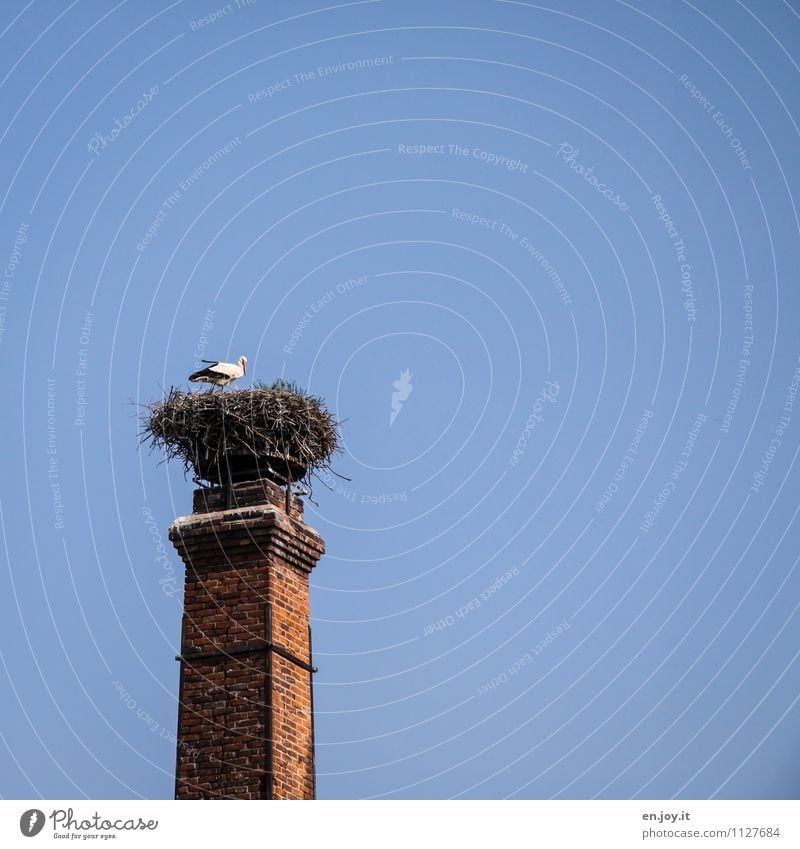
205,373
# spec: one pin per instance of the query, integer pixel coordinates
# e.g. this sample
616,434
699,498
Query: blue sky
566,564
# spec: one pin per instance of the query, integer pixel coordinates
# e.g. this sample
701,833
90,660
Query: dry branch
277,425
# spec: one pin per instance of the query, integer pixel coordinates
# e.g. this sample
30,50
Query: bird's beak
244,367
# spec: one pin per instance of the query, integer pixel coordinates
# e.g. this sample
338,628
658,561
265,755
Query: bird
220,374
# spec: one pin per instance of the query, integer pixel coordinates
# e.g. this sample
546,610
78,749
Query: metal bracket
275,647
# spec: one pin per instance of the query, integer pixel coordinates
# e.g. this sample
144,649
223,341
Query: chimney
246,710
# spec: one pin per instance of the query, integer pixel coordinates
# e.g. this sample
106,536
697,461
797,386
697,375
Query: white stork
220,374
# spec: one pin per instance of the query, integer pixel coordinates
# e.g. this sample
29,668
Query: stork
220,374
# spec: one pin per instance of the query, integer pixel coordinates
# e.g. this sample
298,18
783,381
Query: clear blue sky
567,566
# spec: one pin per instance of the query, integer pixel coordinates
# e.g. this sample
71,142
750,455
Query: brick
239,558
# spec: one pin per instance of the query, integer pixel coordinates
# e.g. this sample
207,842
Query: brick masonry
245,724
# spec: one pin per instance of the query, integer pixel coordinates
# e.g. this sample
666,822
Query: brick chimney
246,720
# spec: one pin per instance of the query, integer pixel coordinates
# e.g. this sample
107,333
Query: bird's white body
220,374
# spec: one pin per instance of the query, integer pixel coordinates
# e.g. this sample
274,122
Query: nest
276,431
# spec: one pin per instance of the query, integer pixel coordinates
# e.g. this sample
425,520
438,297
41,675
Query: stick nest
268,423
